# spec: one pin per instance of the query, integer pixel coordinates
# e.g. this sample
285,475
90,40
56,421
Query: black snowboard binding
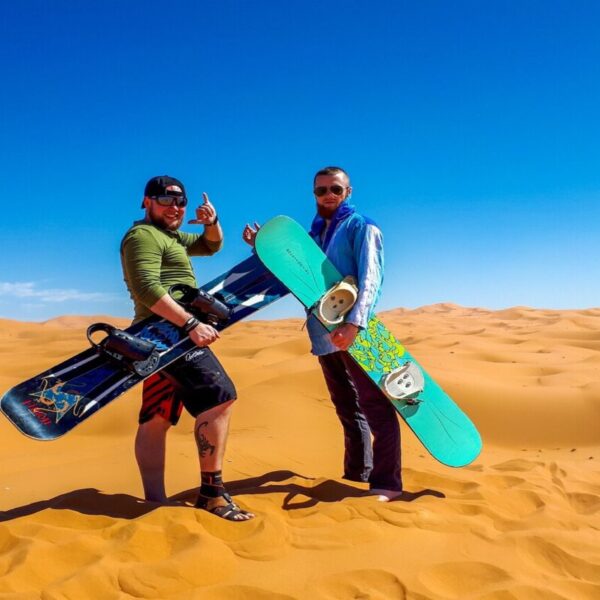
139,355
205,307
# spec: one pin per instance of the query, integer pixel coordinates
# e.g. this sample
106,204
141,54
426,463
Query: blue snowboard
55,401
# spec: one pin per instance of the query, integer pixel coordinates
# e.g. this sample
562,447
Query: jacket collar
344,210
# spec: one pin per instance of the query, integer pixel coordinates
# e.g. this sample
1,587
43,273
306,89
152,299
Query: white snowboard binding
404,383
337,301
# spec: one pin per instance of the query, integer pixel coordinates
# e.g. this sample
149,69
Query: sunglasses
337,190
180,201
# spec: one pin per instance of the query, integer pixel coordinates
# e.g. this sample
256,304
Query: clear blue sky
471,131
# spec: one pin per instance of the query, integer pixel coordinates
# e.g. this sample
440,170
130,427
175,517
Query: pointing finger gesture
205,213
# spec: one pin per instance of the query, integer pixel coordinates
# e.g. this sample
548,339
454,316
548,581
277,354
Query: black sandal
223,506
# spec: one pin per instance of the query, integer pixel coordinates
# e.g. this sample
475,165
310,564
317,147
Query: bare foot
385,495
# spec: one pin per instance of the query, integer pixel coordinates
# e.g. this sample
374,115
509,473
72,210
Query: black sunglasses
180,201
338,190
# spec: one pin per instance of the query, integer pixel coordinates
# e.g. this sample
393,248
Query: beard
326,212
163,223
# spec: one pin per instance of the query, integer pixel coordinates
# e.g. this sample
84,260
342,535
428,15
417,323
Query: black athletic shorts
197,381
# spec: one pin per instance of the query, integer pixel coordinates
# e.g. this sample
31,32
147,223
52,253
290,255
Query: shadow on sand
91,501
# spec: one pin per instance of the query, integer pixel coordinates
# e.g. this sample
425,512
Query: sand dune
522,522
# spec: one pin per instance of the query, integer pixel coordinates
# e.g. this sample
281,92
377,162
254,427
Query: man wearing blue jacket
354,244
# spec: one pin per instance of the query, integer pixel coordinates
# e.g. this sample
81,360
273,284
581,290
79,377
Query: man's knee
219,410
157,423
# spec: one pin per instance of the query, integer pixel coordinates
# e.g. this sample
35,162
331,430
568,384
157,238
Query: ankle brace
212,484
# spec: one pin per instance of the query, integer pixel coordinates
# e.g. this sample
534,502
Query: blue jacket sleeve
368,251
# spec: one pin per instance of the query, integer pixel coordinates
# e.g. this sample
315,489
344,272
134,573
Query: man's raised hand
205,213
249,233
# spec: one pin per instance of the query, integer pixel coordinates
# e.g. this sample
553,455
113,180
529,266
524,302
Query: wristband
190,324
215,221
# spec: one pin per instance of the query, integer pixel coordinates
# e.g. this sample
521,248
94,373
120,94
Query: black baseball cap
163,185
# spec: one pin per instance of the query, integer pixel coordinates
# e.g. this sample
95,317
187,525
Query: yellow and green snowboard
296,260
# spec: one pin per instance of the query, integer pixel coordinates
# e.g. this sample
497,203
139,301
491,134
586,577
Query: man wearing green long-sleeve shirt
156,255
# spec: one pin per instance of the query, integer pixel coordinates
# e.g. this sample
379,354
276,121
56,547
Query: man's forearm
213,233
201,334
170,310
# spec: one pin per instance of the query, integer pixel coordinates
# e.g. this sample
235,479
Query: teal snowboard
296,260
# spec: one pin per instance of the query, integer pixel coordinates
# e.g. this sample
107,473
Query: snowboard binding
404,383
337,301
204,306
139,355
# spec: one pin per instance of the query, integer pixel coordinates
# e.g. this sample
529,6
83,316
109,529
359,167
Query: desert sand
521,522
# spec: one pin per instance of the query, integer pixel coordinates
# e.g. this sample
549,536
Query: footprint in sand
557,562
56,553
459,579
584,504
502,482
514,504
259,539
449,485
240,592
518,464
371,584
160,558
526,592
7,540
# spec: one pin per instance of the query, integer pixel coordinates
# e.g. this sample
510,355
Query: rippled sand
521,522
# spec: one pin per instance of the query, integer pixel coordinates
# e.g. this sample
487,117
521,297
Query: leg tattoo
204,445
